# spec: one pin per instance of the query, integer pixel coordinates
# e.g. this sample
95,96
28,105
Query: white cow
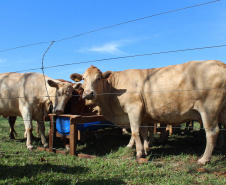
25,94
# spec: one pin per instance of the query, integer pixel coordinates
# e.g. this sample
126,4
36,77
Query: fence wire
124,57
51,105
178,126
139,92
107,27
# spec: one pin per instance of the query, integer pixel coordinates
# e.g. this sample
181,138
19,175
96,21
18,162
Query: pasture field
172,163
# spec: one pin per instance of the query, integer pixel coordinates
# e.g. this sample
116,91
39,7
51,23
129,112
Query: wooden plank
51,133
87,119
63,136
87,156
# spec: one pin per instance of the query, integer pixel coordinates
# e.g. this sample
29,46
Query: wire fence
124,57
147,124
111,26
116,58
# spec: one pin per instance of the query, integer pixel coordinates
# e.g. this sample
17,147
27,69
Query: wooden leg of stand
155,128
73,137
52,134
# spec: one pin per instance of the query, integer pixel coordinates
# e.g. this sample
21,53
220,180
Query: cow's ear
77,85
76,77
52,83
107,74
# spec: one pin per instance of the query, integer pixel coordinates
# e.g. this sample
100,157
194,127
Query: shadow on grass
192,143
103,144
102,182
7,172
31,172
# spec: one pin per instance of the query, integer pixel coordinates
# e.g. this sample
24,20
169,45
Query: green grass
173,163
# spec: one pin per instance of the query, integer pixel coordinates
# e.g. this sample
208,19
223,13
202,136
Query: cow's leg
12,121
134,114
151,134
26,114
41,127
220,143
144,135
124,131
25,134
136,135
189,126
192,126
222,136
164,134
131,142
37,129
212,130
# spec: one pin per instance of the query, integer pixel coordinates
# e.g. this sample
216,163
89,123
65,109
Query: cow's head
60,93
93,81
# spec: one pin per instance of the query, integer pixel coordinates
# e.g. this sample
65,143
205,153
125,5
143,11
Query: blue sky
27,22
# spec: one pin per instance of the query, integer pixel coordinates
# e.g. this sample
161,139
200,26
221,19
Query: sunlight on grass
172,163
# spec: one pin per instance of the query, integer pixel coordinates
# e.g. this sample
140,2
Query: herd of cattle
133,99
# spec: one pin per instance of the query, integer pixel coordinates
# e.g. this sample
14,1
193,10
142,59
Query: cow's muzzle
89,95
58,111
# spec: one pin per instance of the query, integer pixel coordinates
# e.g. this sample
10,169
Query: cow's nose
88,94
58,111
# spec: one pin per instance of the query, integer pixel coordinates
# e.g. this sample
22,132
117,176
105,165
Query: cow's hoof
30,147
11,137
146,151
46,145
139,156
129,146
202,162
67,147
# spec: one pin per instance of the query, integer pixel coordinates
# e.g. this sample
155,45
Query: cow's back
176,92
169,94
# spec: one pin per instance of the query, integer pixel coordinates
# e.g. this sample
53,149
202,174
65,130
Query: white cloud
111,48
114,47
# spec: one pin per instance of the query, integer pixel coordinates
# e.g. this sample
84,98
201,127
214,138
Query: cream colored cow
195,90
24,94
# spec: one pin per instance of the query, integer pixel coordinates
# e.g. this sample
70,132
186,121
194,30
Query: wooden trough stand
72,125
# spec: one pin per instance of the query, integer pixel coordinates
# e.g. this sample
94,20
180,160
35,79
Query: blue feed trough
63,125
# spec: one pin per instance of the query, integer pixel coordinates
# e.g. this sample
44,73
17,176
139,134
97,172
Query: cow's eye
98,78
58,93
83,78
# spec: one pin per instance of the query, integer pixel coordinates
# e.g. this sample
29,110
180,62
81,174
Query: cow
194,90
12,132
76,105
25,95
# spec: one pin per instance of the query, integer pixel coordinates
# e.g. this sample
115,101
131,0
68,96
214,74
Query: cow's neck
106,101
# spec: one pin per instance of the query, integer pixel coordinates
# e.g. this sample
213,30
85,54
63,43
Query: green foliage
173,163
